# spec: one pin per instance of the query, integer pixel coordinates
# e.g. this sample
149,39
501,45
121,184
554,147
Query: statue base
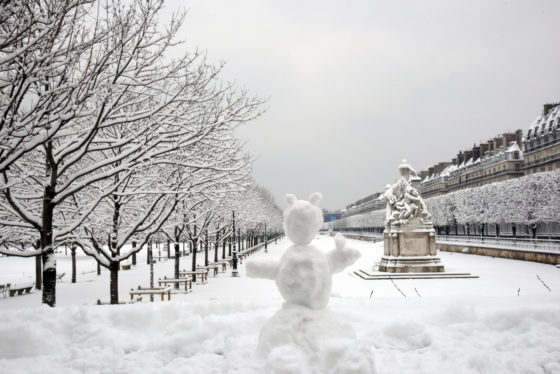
410,248
412,264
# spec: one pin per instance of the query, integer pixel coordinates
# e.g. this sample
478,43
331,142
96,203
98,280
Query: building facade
542,142
498,159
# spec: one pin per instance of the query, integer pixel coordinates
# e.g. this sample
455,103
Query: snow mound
302,340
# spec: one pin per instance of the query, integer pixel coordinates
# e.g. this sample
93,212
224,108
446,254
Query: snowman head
303,219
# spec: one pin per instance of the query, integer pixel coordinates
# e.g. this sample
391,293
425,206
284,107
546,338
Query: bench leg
162,296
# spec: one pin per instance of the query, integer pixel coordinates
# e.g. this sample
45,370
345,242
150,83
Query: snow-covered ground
453,325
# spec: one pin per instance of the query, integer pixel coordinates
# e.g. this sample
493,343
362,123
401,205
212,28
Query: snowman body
304,276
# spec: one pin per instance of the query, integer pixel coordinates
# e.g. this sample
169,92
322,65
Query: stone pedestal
410,248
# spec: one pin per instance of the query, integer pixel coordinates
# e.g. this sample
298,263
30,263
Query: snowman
304,336
303,274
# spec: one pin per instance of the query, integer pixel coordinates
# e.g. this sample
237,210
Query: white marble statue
404,202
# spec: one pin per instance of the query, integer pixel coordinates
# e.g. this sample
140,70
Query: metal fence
520,244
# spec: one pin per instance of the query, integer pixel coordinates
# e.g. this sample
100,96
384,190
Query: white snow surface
455,325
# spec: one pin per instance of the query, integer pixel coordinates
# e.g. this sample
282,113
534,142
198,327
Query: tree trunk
206,249
168,249
195,247
48,255
224,247
38,272
151,263
114,285
216,247
73,253
177,254
134,254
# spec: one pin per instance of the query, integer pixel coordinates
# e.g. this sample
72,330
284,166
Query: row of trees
106,139
527,200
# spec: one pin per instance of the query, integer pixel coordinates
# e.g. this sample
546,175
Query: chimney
510,137
498,141
476,152
519,134
484,147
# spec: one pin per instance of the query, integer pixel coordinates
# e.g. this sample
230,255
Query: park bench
60,276
215,268
19,290
186,281
151,291
160,258
201,273
126,266
223,264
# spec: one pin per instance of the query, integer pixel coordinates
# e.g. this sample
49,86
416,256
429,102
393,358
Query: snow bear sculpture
303,274
304,336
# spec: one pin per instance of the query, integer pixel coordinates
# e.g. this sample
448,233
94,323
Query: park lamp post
234,272
265,240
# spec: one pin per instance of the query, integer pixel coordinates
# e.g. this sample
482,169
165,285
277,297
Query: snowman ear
315,198
291,199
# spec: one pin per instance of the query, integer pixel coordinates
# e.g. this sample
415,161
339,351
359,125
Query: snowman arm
264,269
341,257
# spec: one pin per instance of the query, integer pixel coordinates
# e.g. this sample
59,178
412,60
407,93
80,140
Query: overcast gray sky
355,86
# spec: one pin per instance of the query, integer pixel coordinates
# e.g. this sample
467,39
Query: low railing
521,244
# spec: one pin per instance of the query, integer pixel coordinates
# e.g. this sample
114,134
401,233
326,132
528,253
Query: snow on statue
304,336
